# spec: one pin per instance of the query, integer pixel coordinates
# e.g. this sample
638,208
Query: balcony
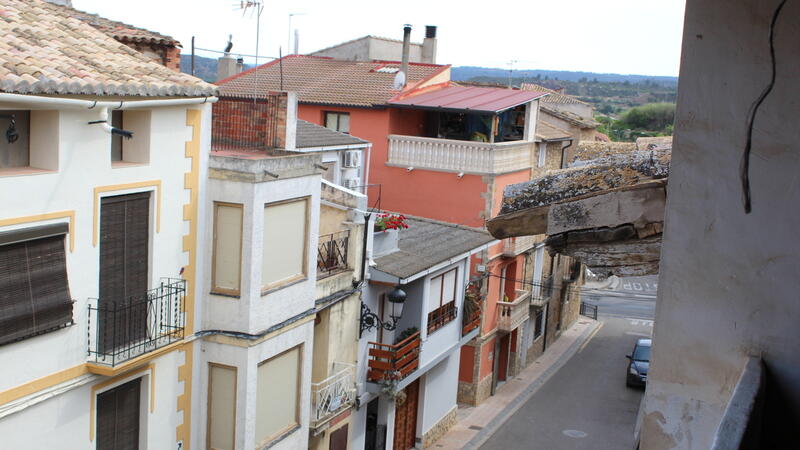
120,330
333,395
441,316
470,322
480,158
517,245
512,314
393,362
332,253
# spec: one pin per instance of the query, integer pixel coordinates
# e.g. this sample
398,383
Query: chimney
227,66
406,44
429,45
296,42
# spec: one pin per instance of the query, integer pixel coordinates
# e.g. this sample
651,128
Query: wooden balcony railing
459,156
441,316
511,314
470,322
393,362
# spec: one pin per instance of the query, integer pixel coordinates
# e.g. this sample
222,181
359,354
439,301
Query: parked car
639,363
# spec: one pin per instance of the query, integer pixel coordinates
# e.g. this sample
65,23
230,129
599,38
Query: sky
612,36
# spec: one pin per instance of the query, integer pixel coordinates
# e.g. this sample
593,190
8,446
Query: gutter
91,104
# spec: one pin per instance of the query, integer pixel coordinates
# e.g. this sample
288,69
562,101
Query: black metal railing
332,253
589,310
122,329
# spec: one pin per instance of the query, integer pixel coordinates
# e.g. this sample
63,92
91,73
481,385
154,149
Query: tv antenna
253,7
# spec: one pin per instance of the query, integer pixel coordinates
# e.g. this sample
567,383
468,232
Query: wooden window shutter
118,417
34,291
339,439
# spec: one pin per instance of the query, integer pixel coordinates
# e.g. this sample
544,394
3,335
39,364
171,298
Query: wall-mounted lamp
11,133
370,320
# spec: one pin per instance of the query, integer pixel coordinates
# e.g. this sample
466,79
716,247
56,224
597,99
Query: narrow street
586,404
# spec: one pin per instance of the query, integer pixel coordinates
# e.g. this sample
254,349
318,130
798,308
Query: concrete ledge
741,424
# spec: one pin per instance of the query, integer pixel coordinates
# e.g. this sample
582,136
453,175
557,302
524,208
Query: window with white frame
337,121
442,299
542,154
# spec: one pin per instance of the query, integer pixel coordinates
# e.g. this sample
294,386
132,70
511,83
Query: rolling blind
34,292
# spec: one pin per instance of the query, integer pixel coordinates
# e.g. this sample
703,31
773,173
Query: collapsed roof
607,210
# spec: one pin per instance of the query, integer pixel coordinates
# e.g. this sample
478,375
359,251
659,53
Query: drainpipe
364,264
406,45
103,121
563,150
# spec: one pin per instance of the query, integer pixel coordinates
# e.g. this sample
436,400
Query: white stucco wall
83,157
729,282
438,393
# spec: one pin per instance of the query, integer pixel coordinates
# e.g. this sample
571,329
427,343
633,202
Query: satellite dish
399,80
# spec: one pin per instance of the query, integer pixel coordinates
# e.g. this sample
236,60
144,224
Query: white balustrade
333,394
459,156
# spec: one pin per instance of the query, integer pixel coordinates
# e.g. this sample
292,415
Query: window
285,238
36,140
442,299
34,291
118,417
278,395
542,154
136,149
338,121
221,407
538,327
227,260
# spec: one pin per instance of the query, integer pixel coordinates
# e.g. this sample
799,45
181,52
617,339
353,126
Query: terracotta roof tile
570,117
554,97
325,80
122,31
46,50
547,132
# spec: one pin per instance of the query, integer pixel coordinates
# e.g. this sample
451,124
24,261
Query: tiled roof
325,80
426,243
572,118
122,31
454,97
547,132
554,97
310,135
46,50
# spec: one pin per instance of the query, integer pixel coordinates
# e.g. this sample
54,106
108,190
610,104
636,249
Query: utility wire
745,168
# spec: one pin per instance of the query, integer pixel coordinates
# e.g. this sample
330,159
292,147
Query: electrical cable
745,167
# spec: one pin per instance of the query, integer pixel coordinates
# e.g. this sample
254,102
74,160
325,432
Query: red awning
468,99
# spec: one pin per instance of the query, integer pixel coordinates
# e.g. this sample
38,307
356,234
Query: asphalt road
586,405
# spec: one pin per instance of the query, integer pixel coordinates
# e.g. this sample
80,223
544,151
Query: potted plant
387,221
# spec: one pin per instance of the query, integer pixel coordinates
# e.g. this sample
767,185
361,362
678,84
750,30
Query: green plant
390,222
405,334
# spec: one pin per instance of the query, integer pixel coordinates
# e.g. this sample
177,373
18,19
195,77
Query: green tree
651,117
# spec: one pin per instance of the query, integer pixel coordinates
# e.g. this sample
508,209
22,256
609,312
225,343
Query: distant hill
610,93
466,73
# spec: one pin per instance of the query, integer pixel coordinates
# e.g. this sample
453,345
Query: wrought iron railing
589,310
333,394
332,252
393,362
441,316
122,329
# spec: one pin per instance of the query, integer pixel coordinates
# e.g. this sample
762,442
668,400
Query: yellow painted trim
240,342
31,387
48,216
93,401
191,182
108,371
121,187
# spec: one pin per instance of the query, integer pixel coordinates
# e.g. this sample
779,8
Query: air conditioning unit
351,183
351,158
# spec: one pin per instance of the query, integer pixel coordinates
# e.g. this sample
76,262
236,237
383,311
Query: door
118,417
371,434
502,359
339,439
405,418
124,241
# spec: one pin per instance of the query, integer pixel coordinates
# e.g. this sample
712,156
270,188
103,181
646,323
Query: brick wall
245,124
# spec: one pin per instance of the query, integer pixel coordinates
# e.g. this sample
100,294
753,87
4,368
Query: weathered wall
729,281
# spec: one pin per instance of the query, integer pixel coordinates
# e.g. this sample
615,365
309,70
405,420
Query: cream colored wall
331,220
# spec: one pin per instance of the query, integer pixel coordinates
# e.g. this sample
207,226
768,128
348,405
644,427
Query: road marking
585,343
644,323
575,433
633,333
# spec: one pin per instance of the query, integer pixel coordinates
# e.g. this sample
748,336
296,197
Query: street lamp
370,320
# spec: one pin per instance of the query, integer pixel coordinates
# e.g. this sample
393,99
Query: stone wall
439,429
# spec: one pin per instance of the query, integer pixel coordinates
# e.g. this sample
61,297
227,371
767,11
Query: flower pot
384,242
